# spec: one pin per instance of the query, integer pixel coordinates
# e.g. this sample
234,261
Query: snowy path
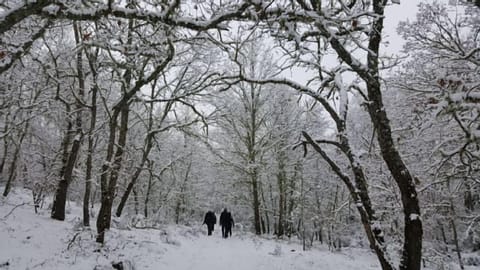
260,254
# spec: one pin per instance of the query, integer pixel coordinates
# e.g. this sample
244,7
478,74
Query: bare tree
60,199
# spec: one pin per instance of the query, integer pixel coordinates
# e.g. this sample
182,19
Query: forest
293,114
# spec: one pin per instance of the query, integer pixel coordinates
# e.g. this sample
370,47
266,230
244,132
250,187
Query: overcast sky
407,9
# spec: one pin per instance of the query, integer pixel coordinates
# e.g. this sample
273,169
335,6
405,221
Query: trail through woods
35,241
245,252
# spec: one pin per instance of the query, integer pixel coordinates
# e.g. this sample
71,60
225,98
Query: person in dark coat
210,220
226,221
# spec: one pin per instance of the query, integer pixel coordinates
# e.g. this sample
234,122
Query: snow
343,107
52,9
255,253
376,225
475,134
77,137
35,241
414,217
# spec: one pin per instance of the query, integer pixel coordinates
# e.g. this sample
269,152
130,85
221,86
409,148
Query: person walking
210,219
226,221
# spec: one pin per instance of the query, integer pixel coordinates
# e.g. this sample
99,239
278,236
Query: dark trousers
210,228
226,230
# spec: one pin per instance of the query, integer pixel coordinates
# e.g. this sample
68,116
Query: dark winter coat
226,219
210,218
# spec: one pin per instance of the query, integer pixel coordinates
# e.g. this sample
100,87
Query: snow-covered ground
248,252
35,241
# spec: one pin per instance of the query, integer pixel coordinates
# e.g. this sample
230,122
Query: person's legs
224,233
229,231
210,229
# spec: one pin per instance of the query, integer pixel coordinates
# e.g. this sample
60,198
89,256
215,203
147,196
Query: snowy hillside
35,241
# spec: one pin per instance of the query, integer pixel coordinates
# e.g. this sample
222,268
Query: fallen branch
13,209
73,240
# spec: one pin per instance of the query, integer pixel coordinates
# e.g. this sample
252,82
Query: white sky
407,9
392,42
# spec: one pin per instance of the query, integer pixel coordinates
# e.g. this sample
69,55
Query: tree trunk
256,204
274,209
444,235
5,144
58,210
13,165
109,185
93,120
281,180
5,152
88,187
180,206
11,171
318,229
412,248
265,212
136,204
302,212
149,188
291,201
262,222
413,232
136,174
468,199
89,165
455,236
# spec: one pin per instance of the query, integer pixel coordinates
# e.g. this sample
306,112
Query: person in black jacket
226,221
210,220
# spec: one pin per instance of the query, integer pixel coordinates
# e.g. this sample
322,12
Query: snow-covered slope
34,241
